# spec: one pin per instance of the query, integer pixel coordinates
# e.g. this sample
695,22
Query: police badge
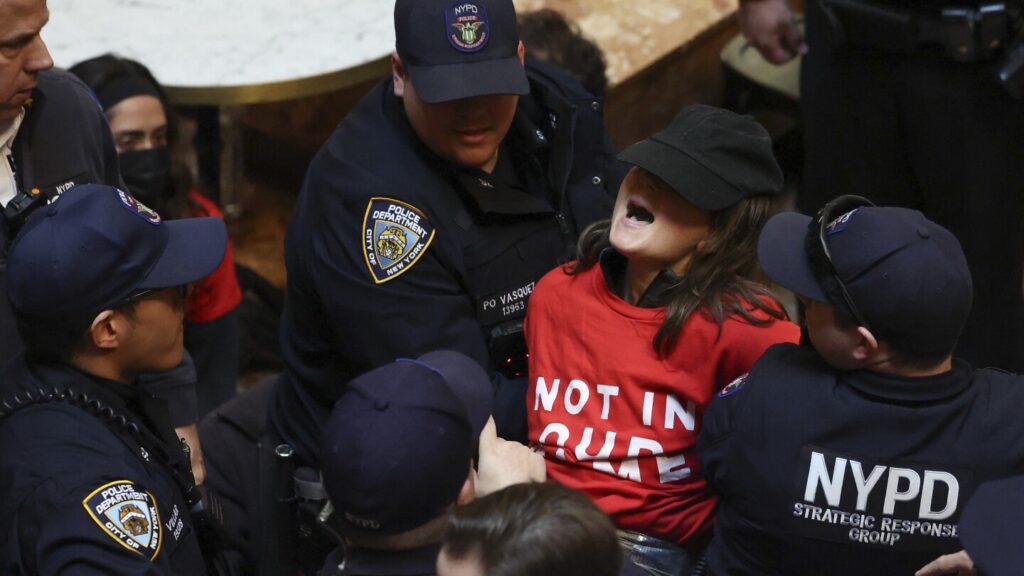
467,25
395,236
128,514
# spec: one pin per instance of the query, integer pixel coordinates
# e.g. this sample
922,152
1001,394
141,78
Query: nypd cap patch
395,237
468,26
128,514
138,208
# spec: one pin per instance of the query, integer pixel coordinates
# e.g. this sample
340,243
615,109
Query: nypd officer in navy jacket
93,478
425,220
858,453
53,136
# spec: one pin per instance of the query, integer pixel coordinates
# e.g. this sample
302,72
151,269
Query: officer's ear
521,51
106,330
398,74
867,347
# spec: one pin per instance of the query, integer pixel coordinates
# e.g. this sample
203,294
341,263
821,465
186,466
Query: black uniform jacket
825,472
91,482
393,252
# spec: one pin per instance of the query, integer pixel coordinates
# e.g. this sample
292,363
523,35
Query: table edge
278,91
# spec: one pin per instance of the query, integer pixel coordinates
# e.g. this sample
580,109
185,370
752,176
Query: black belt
966,33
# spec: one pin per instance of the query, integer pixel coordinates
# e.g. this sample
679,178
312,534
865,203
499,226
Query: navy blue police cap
906,274
991,525
398,444
460,49
95,246
711,157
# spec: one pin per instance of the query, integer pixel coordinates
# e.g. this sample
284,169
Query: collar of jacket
895,388
613,266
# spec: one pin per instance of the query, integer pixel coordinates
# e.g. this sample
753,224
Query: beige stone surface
634,34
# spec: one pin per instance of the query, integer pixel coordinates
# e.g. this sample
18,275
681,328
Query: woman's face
655,226
138,123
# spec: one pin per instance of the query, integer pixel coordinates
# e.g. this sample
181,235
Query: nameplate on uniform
53,190
128,514
395,237
504,305
895,504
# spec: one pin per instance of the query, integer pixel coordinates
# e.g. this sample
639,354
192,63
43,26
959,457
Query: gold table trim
278,91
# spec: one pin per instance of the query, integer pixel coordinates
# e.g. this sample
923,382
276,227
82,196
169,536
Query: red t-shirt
218,293
616,421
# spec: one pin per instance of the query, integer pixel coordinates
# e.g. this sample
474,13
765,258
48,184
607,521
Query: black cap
711,157
398,444
906,274
95,246
457,50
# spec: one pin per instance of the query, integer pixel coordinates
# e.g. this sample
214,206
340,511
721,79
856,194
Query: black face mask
148,174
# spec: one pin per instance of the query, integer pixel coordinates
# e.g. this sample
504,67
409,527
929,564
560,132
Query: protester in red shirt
659,313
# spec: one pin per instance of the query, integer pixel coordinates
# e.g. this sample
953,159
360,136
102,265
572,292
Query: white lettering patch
903,505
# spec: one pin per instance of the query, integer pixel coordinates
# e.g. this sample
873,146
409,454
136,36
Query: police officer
910,103
425,220
857,454
54,136
93,478
397,455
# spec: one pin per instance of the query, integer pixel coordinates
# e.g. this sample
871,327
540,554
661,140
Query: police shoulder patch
395,237
128,514
733,387
138,208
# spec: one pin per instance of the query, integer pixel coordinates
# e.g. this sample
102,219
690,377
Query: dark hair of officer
48,343
541,529
103,72
718,280
550,38
57,343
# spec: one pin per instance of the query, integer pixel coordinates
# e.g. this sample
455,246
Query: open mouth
638,213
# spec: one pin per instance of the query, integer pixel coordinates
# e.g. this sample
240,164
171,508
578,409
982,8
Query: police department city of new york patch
468,26
128,514
395,237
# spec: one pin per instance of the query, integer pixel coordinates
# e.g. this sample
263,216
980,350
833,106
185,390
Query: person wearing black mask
138,112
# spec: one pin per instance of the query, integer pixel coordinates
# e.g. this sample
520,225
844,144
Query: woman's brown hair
718,280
